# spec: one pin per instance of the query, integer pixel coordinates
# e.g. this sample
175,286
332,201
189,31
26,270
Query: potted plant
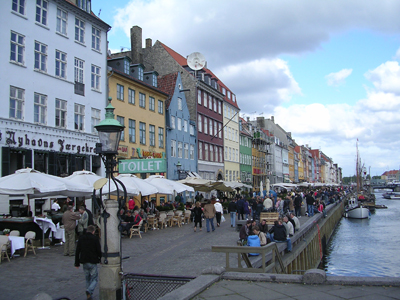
6,231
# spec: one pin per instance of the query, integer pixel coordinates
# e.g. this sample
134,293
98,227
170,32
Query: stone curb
367,281
192,288
263,277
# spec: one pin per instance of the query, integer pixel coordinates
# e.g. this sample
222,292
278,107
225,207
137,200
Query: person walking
83,221
232,209
209,213
219,211
197,212
88,253
69,219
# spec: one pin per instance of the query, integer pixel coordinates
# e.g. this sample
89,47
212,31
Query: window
179,123
61,26
40,57
61,64
180,145
79,117
211,153
142,133
216,153
131,96
205,125
210,102
211,127
179,103
79,31
226,152
160,137
95,119
121,120
17,50
132,131
126,67
191,129
155,80
223,91
191,152
173,122
142,100
96,78
17,99
61,113
215,129
40,108
173,148
96,33
186,151
205,99
185,125
152,135
41,11
140,73
215,105
220,130
200,150
229,94
160,107
120,92
219,107
78,76
84,4
199,97
152,104
220,154
205,151
199,123
19,6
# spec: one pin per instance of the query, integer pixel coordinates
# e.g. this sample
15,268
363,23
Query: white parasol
131,181
166,186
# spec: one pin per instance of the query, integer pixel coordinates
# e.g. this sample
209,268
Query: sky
328,71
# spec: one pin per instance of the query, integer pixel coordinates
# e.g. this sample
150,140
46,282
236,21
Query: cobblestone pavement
170,251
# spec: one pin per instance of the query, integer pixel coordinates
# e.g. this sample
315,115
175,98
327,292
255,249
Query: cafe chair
29,237
162,221
135,229
177,219
14,233
186,219
4,246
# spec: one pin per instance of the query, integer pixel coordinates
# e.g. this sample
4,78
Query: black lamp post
110,131
181,173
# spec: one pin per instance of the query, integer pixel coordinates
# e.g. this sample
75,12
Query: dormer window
229,94
126,66
137,71
151,78
140,73
84,5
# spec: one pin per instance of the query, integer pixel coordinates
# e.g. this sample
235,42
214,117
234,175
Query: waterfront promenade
170,251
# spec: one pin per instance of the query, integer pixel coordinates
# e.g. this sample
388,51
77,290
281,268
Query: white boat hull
357,213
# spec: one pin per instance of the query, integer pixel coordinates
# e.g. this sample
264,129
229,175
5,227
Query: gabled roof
183,62
167,84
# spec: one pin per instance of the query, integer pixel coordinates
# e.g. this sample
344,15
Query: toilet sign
128,166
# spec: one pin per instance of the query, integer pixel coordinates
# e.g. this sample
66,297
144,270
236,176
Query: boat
354,210
391,196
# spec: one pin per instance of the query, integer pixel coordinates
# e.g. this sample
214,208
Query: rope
319,240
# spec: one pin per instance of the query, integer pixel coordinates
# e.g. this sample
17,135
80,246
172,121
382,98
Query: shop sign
142,166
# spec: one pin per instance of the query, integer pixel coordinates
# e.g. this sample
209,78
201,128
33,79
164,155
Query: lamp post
110,279
181,173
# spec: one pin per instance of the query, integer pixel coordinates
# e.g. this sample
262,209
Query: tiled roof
183,62
167,84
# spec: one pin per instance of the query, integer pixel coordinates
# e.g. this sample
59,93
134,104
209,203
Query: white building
53,87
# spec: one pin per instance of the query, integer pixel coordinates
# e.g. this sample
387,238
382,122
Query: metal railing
150,287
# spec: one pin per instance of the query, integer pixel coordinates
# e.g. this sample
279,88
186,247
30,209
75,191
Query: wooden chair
176,219
135,229
170,215
14,233
270,217
186,218
29,237
162,221
152,222
4,246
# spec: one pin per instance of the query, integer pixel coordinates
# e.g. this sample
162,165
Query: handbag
222,218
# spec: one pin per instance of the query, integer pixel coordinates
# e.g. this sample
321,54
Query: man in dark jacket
88,253
240,208
278,234
310,204
232,209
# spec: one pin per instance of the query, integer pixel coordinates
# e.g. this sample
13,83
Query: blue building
181,133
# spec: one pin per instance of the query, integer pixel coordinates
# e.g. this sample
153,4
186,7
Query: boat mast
357,170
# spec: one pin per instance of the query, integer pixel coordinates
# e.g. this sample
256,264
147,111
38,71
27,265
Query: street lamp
110,131
181,173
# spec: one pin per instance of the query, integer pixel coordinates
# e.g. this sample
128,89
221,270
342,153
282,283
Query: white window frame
200,123
142,100
61,64
191,152
205,99
191,129
179,103
79,117
211,153
205,125
186,150
120,92
215,104
211,128
180,149
185,125
160,137
199,97
179,124
121,120
173,148
142,133
79,31
40,57
205,151
173,122
96,38
17,102
40,109
17,48
152,103
132,131
19,6
152,135
200,154
96,117
61,113
62,21
79,66
160,107
210,102
131,96
41,12
219,107
95,77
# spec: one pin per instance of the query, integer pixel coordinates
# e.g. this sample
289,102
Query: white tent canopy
143,187
166,186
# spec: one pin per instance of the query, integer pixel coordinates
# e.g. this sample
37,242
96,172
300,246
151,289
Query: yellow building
291,162
140,107
301,164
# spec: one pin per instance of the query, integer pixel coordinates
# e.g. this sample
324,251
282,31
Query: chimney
136,44
149,43
272,119
248,119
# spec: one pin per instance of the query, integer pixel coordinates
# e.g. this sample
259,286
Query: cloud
386,77
336,79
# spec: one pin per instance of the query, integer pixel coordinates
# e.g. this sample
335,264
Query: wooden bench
271,217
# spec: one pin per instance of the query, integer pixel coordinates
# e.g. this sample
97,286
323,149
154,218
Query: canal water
367,247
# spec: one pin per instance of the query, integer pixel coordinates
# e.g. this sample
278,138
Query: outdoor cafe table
17,242
45,224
